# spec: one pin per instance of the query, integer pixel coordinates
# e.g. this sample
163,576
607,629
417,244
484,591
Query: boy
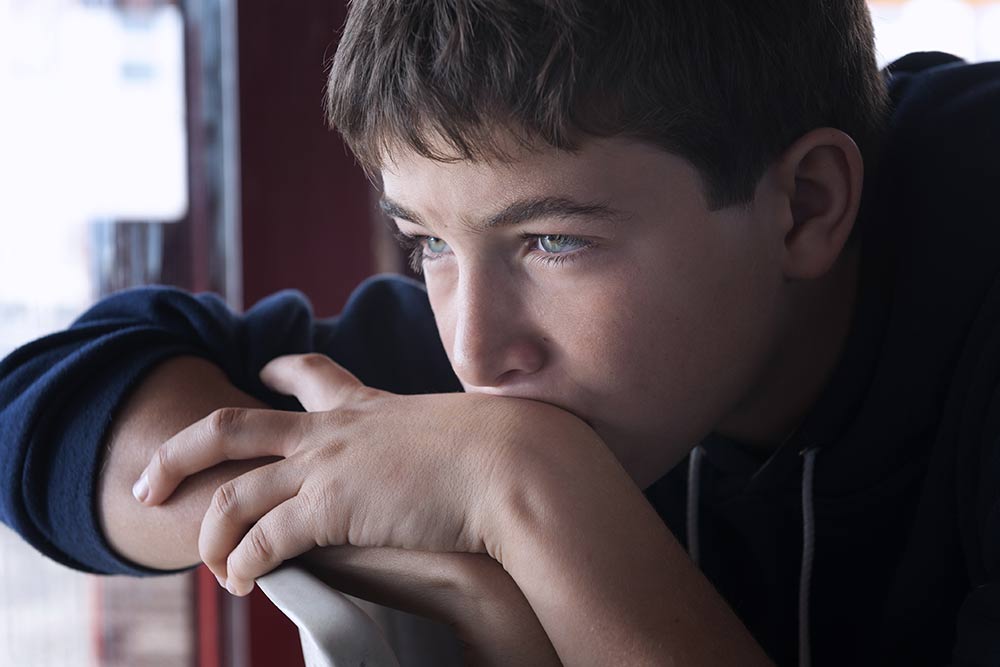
646,219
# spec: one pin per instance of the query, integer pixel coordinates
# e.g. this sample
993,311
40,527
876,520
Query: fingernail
222,582
141,488
230,588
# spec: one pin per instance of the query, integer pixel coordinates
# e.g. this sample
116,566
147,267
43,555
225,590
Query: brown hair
725,84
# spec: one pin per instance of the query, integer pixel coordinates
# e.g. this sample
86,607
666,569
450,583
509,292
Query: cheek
614,328
443,306
673,348
629,342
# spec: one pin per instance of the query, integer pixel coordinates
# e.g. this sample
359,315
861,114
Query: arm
63,397
605,577
177,393
82,410
469,592
525,482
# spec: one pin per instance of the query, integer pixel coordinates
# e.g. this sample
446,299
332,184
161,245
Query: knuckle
313,360
312,503
225,500
259,547
164,459
330,449
343,417
365,393
316,507
224,421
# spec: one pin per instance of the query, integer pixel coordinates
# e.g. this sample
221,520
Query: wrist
535,465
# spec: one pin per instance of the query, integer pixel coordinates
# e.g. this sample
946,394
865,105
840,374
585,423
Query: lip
579,415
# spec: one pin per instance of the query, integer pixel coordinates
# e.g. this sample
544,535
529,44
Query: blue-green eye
558,243
434,245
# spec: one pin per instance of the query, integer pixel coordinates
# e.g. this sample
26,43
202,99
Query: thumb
315,379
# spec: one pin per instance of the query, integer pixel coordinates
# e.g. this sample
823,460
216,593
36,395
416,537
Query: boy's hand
527,483
362,467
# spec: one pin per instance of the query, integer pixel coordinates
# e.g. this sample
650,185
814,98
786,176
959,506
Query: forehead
620,172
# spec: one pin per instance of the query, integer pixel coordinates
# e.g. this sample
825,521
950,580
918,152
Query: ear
820,177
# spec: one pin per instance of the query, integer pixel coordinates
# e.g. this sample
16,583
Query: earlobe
822,174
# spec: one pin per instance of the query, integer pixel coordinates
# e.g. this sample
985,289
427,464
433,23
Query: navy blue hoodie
871,537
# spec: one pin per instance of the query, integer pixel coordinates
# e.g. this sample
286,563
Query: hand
471,593
525,482
362,467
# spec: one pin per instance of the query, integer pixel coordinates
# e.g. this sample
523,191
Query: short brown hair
726,84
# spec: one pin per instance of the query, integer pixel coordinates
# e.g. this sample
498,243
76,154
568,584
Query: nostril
500,364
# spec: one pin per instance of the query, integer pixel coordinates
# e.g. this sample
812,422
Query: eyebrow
521,211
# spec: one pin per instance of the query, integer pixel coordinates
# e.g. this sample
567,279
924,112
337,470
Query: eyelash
414,245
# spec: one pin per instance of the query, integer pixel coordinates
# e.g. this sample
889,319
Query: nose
493,340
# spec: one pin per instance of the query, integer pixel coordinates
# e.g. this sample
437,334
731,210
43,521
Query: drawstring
808,550
694,482
808,535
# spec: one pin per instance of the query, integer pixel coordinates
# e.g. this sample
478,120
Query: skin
665,320
527,483
676,321
470,592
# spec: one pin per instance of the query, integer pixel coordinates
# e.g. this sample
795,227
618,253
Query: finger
316,380
225,435
239,504
282,533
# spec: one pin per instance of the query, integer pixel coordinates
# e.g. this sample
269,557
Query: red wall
305,203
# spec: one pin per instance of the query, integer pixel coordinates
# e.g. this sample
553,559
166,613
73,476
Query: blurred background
183,142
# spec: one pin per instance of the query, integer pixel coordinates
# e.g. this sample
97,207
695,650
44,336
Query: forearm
470,593
618,588
501,628
175,394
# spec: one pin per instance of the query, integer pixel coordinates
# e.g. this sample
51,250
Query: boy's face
600,282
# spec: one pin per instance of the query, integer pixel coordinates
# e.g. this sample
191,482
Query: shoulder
942,89
387,336
938,209
934,193
943,130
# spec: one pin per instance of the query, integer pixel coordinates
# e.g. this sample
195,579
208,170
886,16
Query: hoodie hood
839,497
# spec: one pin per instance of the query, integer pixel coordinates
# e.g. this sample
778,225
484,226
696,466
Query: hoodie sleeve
59,394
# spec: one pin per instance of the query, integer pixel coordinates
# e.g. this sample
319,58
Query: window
99,136
969,29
